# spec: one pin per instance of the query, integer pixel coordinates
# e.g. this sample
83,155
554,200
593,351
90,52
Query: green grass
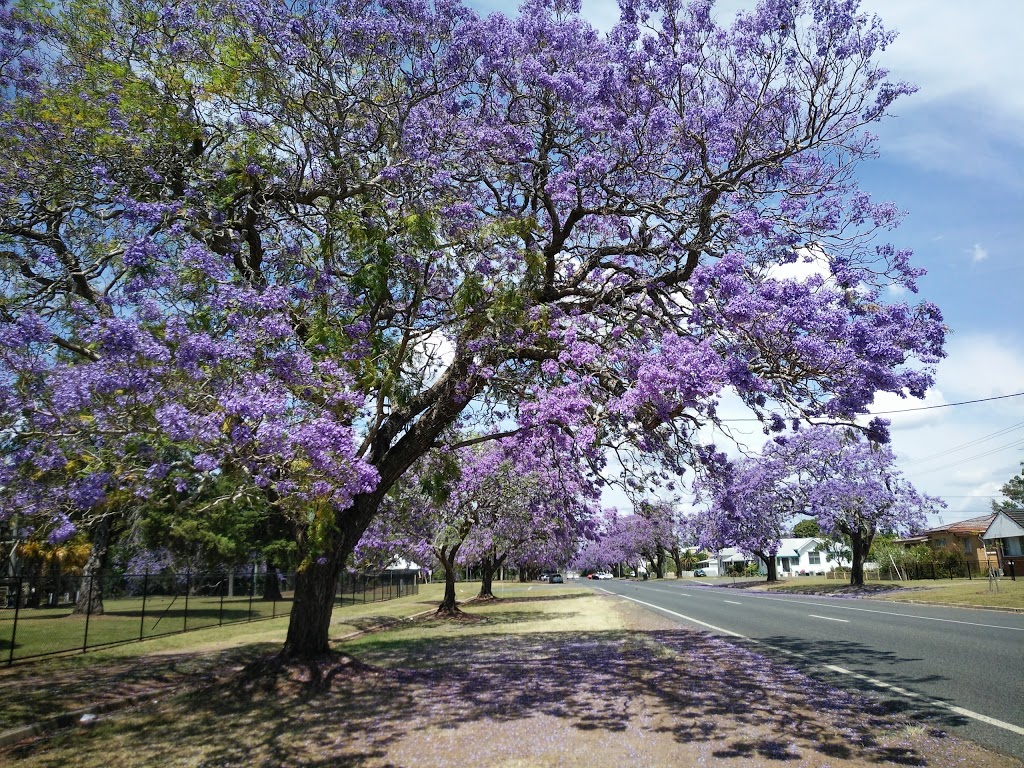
966,592
976,592
44,631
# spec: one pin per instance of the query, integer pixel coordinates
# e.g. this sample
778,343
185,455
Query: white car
603,575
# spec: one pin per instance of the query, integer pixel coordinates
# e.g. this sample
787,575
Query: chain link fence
46,615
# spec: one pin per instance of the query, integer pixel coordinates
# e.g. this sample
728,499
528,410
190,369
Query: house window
940,542
814,558
1013,547
968,549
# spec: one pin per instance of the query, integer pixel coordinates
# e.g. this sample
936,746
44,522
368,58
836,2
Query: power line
972,458
969,444
947,405
919,408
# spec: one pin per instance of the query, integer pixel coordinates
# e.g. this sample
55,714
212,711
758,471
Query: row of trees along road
846,483
517,503
298,246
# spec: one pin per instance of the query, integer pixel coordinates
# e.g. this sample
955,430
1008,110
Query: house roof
972,525
731,555
1017,515
794,547
1005,525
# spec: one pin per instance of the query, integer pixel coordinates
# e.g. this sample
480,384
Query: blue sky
953,158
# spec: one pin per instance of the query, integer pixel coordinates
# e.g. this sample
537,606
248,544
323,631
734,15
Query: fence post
220,612
14,629
252,590
88,614
188,588
1013,572
142,618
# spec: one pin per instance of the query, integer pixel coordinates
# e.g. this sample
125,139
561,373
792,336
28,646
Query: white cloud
969,53
981,365
809,262
886,402
978,253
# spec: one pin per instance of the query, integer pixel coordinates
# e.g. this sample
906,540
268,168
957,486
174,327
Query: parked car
699,572
544,577
556,578
603,575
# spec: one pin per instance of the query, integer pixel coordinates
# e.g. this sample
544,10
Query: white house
795,557
799,557
718,563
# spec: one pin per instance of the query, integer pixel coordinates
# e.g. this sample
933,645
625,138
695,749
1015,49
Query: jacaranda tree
751,505
848,484
299,244
514,500
852,487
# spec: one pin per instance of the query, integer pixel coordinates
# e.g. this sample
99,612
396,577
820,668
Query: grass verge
954,592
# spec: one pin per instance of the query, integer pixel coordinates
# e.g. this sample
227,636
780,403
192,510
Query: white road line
684,594
733,602
952,708
828,618
681,616
888,613
840,670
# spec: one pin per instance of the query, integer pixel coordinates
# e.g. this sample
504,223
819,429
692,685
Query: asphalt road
960,670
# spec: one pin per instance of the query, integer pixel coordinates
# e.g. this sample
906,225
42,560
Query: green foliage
806,529
836,548
885,551
1013,490
225,525
921,554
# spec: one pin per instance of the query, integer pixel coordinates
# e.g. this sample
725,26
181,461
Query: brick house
963,536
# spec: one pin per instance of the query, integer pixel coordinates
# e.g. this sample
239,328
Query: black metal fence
45,615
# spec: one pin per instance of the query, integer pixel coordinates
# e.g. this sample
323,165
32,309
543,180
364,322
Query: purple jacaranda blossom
315,266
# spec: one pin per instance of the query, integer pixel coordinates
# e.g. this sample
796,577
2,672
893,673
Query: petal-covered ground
577,681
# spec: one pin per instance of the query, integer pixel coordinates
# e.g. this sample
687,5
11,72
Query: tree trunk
90,594
32,585
310,621
770,565
860,543
659,564
487,569
316,580
447,558
272,584
677,558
